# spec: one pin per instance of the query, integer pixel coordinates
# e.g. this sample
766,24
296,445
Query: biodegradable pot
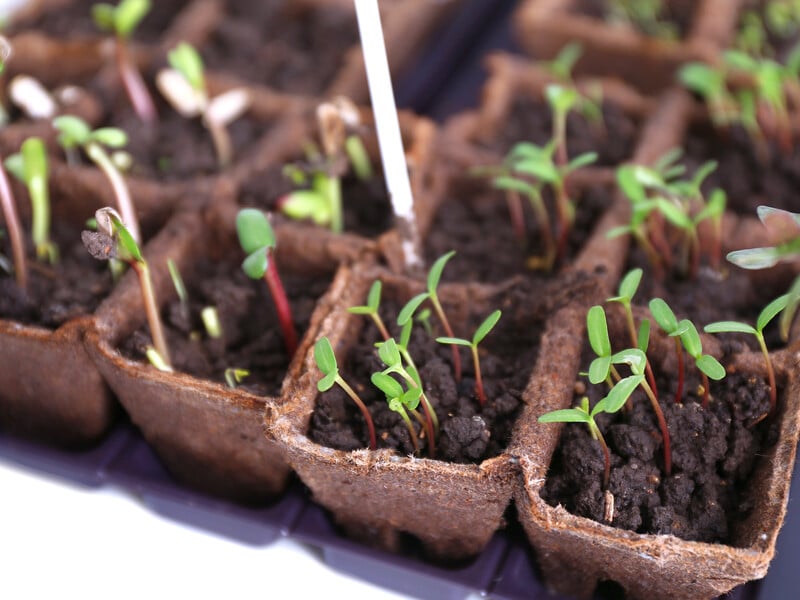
453,509
208,435
544,27
576,553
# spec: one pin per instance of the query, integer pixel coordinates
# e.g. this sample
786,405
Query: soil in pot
74,19
298,52
251,337
678,14
475,222
469,433
73,287
530,120
714,452
366,205
747,179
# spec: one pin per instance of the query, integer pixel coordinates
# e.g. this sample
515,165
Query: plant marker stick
388,127
14,230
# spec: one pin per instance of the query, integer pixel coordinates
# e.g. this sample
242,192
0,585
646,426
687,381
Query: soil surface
714,452
251,337
530,120
469,434
747,178
72,288
475,222
366,205
678,12
293,51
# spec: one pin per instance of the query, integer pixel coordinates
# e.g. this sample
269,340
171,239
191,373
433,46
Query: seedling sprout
75,133
180,286
400,401
326,362
184,86
765,316
234,376
122,20
667,320
113,240
371,308
211,322
706,364
407,312
480,333
30,167
785,226
258,241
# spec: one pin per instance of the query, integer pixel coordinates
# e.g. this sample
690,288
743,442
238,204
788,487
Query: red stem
134,85
706,391
282,305
517,217
662,425
679,390
14,230
478,378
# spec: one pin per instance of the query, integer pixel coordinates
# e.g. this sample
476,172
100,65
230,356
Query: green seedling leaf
411,397
387,384
599,368
674,214
702,172
73,130
405,334
103,16
110,136
15,165
700,78
411,307
326,361
597,329
505,182
435,274
307,204
234,376
582,160
454,340
542,168
740,60
561,98
771,310
186,60
714,208
129,14
730,327
663,315
254,230
629,285
485,327
643,337
690,338
126,241
256,263
620,393
633,357
389,353
561,66
755,258
373,301
566,415
711,367
668,160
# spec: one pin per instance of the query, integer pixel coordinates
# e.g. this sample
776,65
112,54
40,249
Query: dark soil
678,12
366,205
530,120
469,434
251,337
747,179
474,221
714,452
72,288
266,42
74,19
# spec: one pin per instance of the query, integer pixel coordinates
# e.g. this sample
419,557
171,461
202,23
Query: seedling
258,241
706,364
30,167
407,312
234,376
339,125
211,322
770,311
644,15
561,100
561,67
667,320
180,286
400,401
184,86
390,354
480,333
122,20
611,403
75,133
424,317
658,191
113,240
326,362
371,309
785,227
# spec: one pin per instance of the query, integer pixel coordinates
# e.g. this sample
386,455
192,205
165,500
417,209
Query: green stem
606,454
367,417
124,202
335,197
427,406
437,307
430,415
773,392
478,379
376,318
40,226
221,139
151,309
411,432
